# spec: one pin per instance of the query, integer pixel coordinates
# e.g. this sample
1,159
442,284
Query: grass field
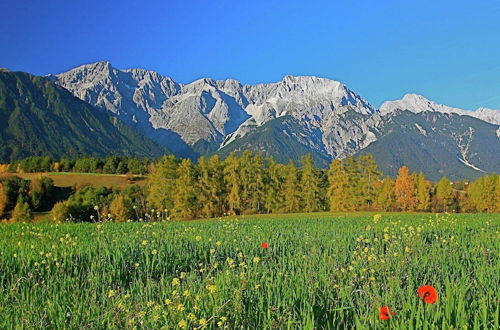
68,179
319,271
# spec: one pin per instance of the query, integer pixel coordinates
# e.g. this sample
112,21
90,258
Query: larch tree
444,195
423,193
185,198
387,198
232,183
369,176
22,211
404,188
291,192
273,200
162,184
118,208
257,183
338,189
355,195
309,184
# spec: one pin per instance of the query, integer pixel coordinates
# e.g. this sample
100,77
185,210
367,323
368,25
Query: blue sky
448,51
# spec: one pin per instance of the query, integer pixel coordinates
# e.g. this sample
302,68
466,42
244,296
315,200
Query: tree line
84,164
253,184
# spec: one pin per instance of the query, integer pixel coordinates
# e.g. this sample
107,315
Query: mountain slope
38,117
460,147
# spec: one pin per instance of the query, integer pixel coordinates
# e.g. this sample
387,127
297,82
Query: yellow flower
182,324
203,323
154,252
176,281
168,301
256,260
212,251
218,243
136,265
144,242
211,288
183,275
180,307
191,316
198,238
186,293
111,293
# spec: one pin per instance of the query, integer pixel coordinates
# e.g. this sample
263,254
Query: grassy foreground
317,272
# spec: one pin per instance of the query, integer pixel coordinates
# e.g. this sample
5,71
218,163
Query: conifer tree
273,184
162,184
210,183
257,183
404,188
291,192
387,198
444,195
118,209
354,195
185,202
338,189
369,176
232,182
309,184
423,193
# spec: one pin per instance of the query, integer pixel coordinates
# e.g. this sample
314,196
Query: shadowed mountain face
290,118
38,117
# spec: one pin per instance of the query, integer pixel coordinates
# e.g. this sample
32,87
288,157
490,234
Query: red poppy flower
385,313
428,293
264,245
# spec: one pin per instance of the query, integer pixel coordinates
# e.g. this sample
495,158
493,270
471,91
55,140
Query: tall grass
328,272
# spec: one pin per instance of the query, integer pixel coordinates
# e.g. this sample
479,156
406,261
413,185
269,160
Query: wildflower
186,293
218,243
180,307
385,313
428,293
111,293
176,281
136,265
182,324
198,238
191,316
264,245
256,260
154,252
168,301
211,288
203,323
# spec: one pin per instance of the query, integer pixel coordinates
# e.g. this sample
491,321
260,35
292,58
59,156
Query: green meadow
318,271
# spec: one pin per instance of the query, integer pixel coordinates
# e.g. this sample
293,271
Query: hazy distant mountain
292,117
38,117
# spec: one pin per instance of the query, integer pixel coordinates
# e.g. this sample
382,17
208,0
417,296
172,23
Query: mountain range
289,118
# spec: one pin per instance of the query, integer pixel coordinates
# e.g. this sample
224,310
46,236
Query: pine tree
232,182
444,195
369,176
185,203
423,193
404,188
291,193
309,184
338,189
387,197
162,184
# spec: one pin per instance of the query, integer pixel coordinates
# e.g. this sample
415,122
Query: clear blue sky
449,51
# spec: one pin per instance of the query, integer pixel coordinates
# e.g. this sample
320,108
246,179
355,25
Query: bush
60,212
22,212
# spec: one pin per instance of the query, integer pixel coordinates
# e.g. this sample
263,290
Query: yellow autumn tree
338,188
404,188
3,199
118,209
